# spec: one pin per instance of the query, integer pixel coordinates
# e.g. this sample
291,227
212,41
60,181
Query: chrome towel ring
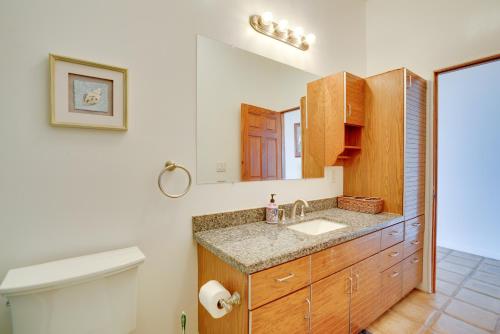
170,167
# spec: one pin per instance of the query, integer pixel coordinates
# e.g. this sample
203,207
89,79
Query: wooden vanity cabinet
412,271
289,314
331,303
392,286
275,282
341,289
365,298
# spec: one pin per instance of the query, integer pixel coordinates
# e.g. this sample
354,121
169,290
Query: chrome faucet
303,204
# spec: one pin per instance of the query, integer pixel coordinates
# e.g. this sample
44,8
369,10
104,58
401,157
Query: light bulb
298,32
282,26
266,18
310,39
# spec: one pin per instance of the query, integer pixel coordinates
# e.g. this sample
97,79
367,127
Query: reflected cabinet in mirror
250,115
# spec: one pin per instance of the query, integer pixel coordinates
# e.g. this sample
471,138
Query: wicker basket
371,205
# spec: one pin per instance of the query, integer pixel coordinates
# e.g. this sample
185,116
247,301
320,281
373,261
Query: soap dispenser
272,211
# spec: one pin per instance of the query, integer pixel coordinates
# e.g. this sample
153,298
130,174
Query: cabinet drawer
290,314
412,271
391,256
275,282
336,258
392,235
414,226
392,286
413,243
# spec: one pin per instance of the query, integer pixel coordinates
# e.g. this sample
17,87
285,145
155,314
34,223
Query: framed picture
84,94
297,139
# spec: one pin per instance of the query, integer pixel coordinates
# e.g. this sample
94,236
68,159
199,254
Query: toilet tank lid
69,271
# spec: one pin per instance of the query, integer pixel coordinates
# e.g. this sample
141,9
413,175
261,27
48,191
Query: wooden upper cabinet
290,315
354,88
260,143
334,105
365,300
331,302
391,164
313,134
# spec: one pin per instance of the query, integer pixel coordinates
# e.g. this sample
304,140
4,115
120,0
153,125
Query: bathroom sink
316,226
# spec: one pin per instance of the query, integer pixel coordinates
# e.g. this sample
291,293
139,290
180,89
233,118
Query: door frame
437,73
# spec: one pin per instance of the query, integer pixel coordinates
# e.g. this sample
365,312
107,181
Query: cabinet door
330,303
392,286
412,272
365,299
415,135
290,315
354,104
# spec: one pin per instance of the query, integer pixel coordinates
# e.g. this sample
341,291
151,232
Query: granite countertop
257,246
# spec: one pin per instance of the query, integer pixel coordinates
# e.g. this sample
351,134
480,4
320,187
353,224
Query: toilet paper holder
228,303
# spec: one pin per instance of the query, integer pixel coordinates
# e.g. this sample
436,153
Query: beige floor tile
490,269
445,287
420,313
486,277
393,323
456,268
443,250
472,315
487,289
449,276
465,255
435,300
492,262
446,324
470,263
479,299
440,256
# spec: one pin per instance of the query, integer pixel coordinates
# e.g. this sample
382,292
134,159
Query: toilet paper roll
210,294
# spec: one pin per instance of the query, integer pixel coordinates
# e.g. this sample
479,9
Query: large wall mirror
249,115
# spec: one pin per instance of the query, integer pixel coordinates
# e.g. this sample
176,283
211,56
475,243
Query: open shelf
352,143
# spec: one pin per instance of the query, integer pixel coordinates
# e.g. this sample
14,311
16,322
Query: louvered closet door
414,161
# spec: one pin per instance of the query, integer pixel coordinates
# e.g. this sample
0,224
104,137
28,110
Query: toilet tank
92,294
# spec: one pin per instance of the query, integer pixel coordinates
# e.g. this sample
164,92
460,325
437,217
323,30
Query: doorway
466,180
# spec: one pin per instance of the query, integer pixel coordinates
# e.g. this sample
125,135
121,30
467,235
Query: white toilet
93,294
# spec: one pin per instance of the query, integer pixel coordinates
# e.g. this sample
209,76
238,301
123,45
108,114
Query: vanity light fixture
279,30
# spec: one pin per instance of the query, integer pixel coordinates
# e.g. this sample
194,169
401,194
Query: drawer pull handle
415,260
415,242
348,285
395,274
416,224
308,315
394,254
286,278
394,233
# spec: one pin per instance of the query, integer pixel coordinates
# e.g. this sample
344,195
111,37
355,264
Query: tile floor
467,300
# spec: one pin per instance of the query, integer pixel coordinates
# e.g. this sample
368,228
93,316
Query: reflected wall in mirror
249,114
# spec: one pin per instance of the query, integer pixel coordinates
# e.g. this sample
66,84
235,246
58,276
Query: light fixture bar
280,31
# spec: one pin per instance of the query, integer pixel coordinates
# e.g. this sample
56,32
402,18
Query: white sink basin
316,226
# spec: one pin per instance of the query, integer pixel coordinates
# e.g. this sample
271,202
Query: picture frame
297,139
85,94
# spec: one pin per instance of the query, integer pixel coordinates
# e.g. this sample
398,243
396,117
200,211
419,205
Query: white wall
66,192
226,78
468,182
424,36
293,165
